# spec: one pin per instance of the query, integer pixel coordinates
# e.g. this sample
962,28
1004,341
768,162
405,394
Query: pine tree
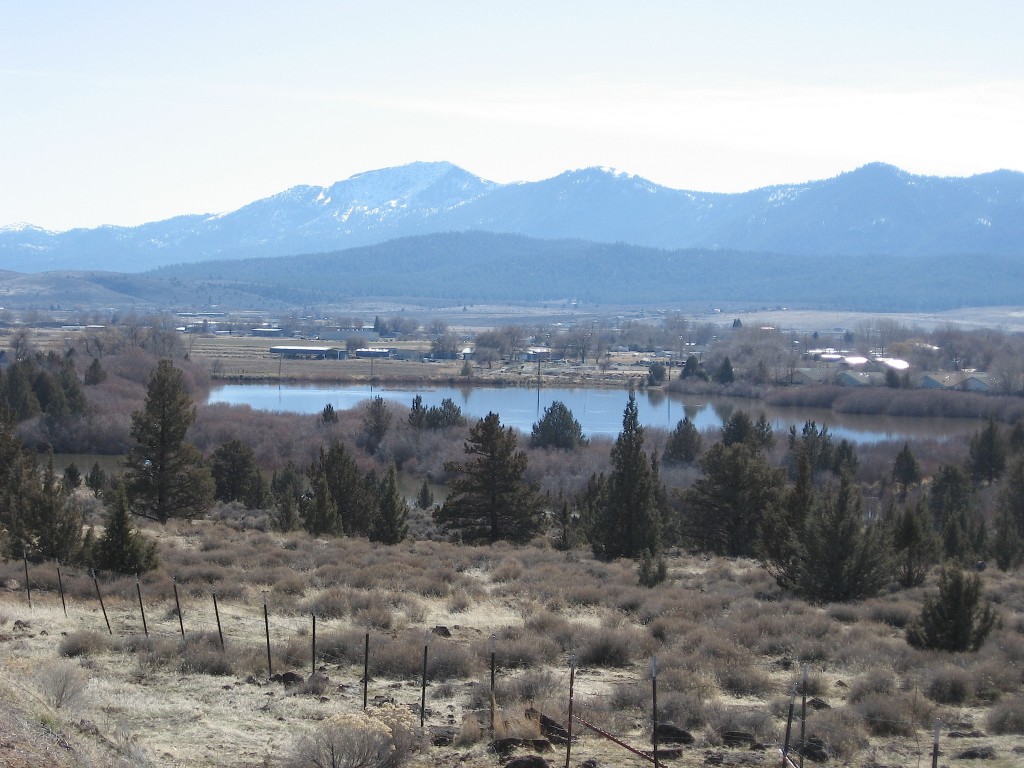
353,501
988,453
236,475
489,500
328,415
782,527
905,470
916,545
684,443
96,479
724,374
95,374
629,518
845,558
121,548
376,422
318,511
54,518
166,476
390,524
425,497
557,428
956,619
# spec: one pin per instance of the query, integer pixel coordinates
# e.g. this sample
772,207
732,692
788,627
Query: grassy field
729,647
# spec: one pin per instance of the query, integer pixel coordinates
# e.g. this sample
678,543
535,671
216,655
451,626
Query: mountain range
877,210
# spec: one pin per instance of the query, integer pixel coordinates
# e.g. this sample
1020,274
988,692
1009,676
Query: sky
127,112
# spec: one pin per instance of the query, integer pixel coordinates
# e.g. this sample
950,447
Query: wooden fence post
216,612
654,707
60,585
100,598
366,666
313,665
142,610
177,605
266,623
28,587
423,687
568,728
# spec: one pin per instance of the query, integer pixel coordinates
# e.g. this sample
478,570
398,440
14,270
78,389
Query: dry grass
729,649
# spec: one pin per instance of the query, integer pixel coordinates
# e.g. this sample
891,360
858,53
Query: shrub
841,730
1007,716
891,714
955,619
84,643
62,684
386,738
605,647
950,685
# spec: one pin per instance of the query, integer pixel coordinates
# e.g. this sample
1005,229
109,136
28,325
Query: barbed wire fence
576,698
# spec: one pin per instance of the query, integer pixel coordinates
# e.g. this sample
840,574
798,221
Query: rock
549,727
292,678
738,739
528,761
442,736
817,703
504,747
590,762
673,734
978,753
815,750
442,631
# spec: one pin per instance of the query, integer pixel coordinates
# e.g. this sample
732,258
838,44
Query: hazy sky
125,112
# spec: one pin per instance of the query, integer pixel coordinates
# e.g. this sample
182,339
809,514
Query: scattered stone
292,678
504,747
442,736
672,734
978,753
528,761
975,734
549,727
815,750
590,762
738,739
442,631
818,703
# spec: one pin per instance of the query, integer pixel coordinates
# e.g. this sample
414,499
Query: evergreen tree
352,502
955,516
236,475
96,479
655,374
905,470
376,422
390,524
988,453
95,374
692,369
121,548
684,443
725,506
845,459
166,476
557,428
1008,542
845,558
417,413
328,415
956,619
54,518
781,532
318,511
915,542
489,500
724,374
815,443
629,519
425,497
72,476
287,489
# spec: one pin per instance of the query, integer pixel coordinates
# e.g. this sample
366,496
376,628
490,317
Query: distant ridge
876,209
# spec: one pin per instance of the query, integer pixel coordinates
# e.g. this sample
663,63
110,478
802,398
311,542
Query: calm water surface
599,411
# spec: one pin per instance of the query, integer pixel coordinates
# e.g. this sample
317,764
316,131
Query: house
860,379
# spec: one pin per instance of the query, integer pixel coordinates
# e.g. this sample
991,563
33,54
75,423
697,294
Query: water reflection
599,411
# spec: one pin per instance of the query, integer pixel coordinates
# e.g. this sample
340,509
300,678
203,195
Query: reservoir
599,411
